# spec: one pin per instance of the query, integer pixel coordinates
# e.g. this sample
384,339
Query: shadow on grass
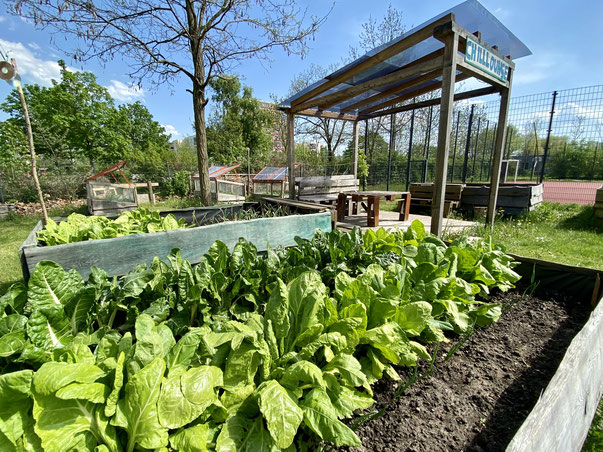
584,220
4,286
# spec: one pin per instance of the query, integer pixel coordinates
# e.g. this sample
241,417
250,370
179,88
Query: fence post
412,127
481,166
167,164
548,137
456,137
592,172
392,144
427,140
467,144
479,123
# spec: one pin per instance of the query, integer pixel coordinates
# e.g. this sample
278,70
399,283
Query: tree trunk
201,135
32,152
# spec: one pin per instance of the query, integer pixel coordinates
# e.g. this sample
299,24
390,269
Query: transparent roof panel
471,15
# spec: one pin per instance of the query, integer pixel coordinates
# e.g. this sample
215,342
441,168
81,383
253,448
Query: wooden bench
422,196
325,189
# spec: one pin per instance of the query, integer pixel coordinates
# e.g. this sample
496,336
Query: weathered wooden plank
599,196
302,184
119,255
563,414
324,179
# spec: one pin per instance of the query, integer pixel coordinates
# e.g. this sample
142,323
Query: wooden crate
511,198
119,255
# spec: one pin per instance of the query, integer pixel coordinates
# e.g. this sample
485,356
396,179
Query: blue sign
479,56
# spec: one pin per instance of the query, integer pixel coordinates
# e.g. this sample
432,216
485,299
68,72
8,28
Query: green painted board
117,256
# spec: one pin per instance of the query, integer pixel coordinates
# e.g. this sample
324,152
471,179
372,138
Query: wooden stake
32,150
355,141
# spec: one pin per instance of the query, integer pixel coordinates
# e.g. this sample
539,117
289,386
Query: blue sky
564,38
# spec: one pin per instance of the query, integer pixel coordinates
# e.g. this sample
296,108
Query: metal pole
366,143
467,144
548,137
456,137
479,122
427,146
167,164
481,166
412,127
508,140
594,162
392,144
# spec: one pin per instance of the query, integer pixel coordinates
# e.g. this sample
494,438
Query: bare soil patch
478,399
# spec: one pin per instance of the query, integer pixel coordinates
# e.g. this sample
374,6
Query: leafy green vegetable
243,352
78,227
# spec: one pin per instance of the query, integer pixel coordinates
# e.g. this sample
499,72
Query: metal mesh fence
552,136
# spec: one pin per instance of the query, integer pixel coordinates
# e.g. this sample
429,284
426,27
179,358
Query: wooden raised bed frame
119,255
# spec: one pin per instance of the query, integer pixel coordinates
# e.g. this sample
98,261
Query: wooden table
369,200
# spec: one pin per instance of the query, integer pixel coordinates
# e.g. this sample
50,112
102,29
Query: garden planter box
599,205
561,418
6,209
119,255
512,199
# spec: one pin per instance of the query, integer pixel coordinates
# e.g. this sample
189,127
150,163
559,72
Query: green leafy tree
237,124
199,39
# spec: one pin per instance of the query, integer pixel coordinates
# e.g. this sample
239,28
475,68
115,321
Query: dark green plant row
242,352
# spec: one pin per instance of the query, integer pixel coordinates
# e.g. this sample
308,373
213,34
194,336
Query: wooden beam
501,132
327,114
427,103
446,107
355,141
415,93
409,70
396,89
291,153
388,52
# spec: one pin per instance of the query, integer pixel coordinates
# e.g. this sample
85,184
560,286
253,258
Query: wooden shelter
431,57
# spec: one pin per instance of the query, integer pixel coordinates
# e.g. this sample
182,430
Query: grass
14,230
565,233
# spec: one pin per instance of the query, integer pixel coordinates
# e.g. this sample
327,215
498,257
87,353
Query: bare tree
332,132
160,40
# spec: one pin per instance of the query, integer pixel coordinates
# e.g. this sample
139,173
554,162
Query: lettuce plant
78,228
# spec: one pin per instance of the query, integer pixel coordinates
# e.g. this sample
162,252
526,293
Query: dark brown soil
478,399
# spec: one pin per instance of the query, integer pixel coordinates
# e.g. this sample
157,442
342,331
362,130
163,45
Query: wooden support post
217,191
355,139
448,79
151,194
501,131
291,153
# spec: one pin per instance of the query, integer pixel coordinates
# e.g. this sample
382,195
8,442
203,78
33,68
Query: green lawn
13,231
565,233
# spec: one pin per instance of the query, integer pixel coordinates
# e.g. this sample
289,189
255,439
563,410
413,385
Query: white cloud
170,130
2,19
34,46
590,113
124,93
31,68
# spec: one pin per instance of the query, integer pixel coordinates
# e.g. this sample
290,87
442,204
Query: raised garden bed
512,199
529,382
118,255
